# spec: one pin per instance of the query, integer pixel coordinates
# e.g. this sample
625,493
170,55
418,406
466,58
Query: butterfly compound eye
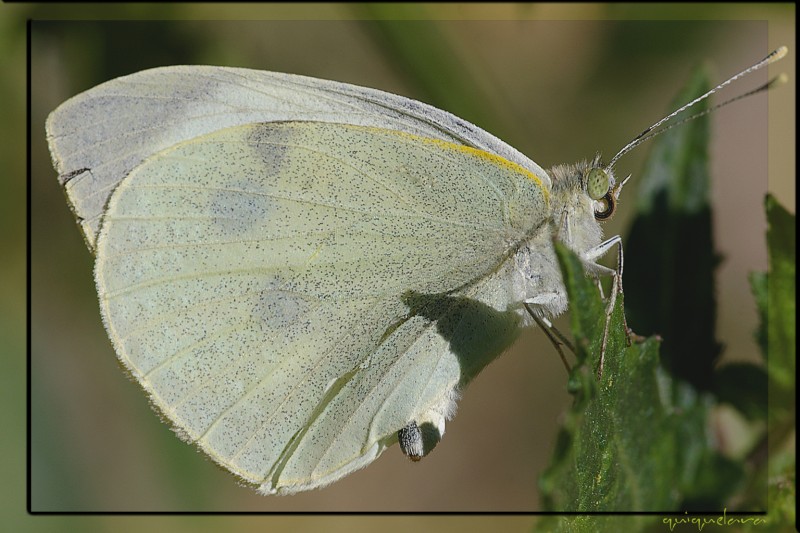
598,187
597,183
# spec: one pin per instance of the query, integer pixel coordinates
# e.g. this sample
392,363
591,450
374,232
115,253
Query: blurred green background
558,82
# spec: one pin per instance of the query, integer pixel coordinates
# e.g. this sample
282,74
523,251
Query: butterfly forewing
99,136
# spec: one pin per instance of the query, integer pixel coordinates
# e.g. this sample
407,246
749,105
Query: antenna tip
780,53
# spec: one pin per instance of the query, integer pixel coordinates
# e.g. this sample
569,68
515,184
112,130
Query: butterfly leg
553,335
616,288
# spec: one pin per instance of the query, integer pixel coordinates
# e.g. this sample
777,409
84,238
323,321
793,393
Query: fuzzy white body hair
537,278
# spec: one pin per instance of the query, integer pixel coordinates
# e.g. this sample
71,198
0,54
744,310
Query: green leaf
781,310
773,481
776,302
605,451
782,491
637,438
781,324
634,439
594,523
669,254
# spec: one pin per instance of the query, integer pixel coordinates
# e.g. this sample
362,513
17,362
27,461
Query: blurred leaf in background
13,309
670,258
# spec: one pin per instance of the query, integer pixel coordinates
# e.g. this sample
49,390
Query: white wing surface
292,294
99,136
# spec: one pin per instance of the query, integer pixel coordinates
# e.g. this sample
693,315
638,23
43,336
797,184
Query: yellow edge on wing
487,156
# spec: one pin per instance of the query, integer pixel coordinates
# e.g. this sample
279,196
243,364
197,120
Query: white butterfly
302,272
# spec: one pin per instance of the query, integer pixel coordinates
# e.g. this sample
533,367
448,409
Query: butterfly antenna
649,133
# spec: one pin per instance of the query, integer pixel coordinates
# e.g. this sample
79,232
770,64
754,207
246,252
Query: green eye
597,183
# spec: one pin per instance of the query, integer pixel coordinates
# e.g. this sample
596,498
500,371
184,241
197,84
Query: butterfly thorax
575,220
